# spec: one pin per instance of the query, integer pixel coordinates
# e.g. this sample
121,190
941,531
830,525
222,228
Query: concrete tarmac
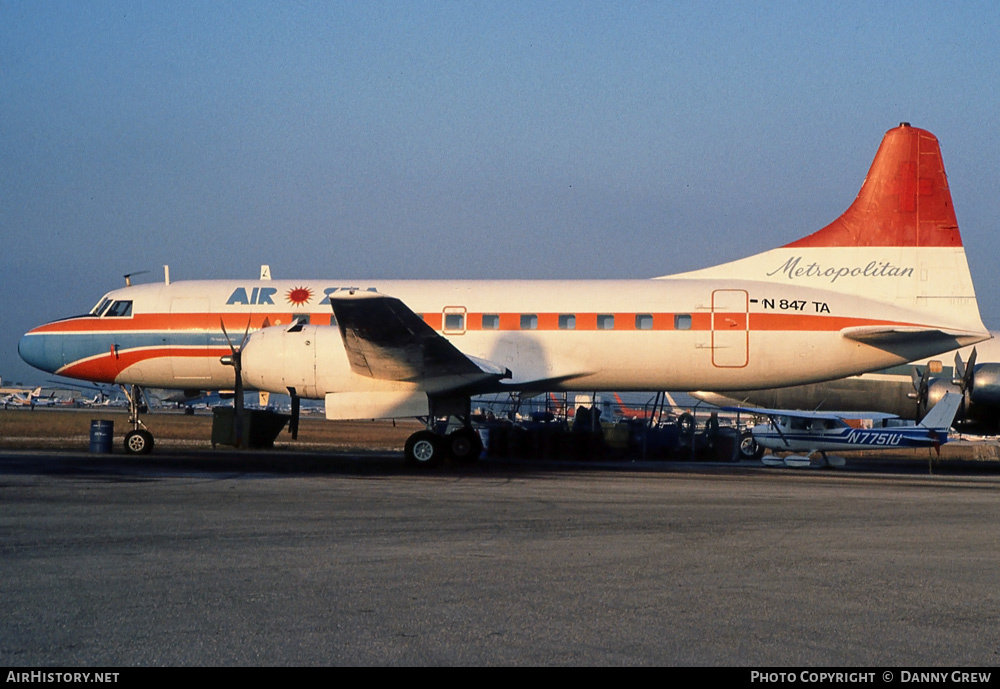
223,558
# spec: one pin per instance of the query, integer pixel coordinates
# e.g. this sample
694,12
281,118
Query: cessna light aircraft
885,283
906,391
814,433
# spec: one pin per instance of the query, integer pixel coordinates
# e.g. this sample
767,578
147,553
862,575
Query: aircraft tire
465,445
424,449
138,442
749,449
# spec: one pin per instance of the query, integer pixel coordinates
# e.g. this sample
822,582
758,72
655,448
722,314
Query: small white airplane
885,283
813,434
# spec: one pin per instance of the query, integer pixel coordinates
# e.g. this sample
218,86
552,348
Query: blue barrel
101,434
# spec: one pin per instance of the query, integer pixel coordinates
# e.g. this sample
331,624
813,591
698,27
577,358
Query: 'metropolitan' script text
874,269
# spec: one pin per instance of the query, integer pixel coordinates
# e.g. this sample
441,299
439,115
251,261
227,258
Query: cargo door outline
730,328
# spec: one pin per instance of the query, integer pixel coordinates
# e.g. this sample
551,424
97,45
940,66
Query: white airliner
885,283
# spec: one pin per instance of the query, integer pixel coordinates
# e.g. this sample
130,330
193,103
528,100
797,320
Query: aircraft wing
832,415
386,340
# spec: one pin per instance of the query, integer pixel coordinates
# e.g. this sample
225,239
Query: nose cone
41,351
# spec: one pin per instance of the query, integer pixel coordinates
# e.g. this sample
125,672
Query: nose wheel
138,441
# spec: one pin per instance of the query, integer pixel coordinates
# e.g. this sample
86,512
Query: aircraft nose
41,351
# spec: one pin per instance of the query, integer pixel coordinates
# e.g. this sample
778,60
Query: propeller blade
970,372
246,334
236,361
226,333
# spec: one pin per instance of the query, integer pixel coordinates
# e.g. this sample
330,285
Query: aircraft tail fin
898,242
942,414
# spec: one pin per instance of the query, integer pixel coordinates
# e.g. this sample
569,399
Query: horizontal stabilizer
890,336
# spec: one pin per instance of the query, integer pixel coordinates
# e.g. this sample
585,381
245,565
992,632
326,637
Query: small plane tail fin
942,414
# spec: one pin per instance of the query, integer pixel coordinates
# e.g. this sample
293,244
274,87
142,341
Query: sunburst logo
297,296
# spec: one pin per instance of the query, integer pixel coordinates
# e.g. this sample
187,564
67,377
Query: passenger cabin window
567,321
605,321
643,321
120,309
529,321
682,321
491,321
454,321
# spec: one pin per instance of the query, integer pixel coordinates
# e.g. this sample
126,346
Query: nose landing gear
138,441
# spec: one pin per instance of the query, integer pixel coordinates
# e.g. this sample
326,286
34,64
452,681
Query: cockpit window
101,305
120,309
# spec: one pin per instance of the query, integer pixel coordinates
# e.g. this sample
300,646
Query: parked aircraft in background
813,434
885,283
21,398
906,391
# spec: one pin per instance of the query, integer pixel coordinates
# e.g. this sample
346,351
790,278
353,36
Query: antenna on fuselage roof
265,272
128,277
166,274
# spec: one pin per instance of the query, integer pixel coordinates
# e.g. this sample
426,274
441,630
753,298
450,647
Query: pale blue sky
463,139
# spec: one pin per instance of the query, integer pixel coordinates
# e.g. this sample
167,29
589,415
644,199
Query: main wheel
465,445
749,449
138,442
423,448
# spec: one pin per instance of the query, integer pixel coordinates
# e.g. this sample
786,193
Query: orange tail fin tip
904,200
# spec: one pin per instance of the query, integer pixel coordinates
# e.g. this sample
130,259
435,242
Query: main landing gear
138,441
429,448
432,446
750,448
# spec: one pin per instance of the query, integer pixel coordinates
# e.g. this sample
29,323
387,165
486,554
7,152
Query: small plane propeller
235,359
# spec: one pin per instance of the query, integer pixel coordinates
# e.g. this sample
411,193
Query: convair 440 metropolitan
885,283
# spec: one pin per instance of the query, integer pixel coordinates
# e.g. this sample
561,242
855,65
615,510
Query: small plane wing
831,415
386,340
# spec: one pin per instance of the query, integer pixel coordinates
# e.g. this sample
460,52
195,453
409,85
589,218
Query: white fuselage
586,335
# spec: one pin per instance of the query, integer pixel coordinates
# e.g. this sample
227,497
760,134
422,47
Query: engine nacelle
309,358
938,388
986,385
982,411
